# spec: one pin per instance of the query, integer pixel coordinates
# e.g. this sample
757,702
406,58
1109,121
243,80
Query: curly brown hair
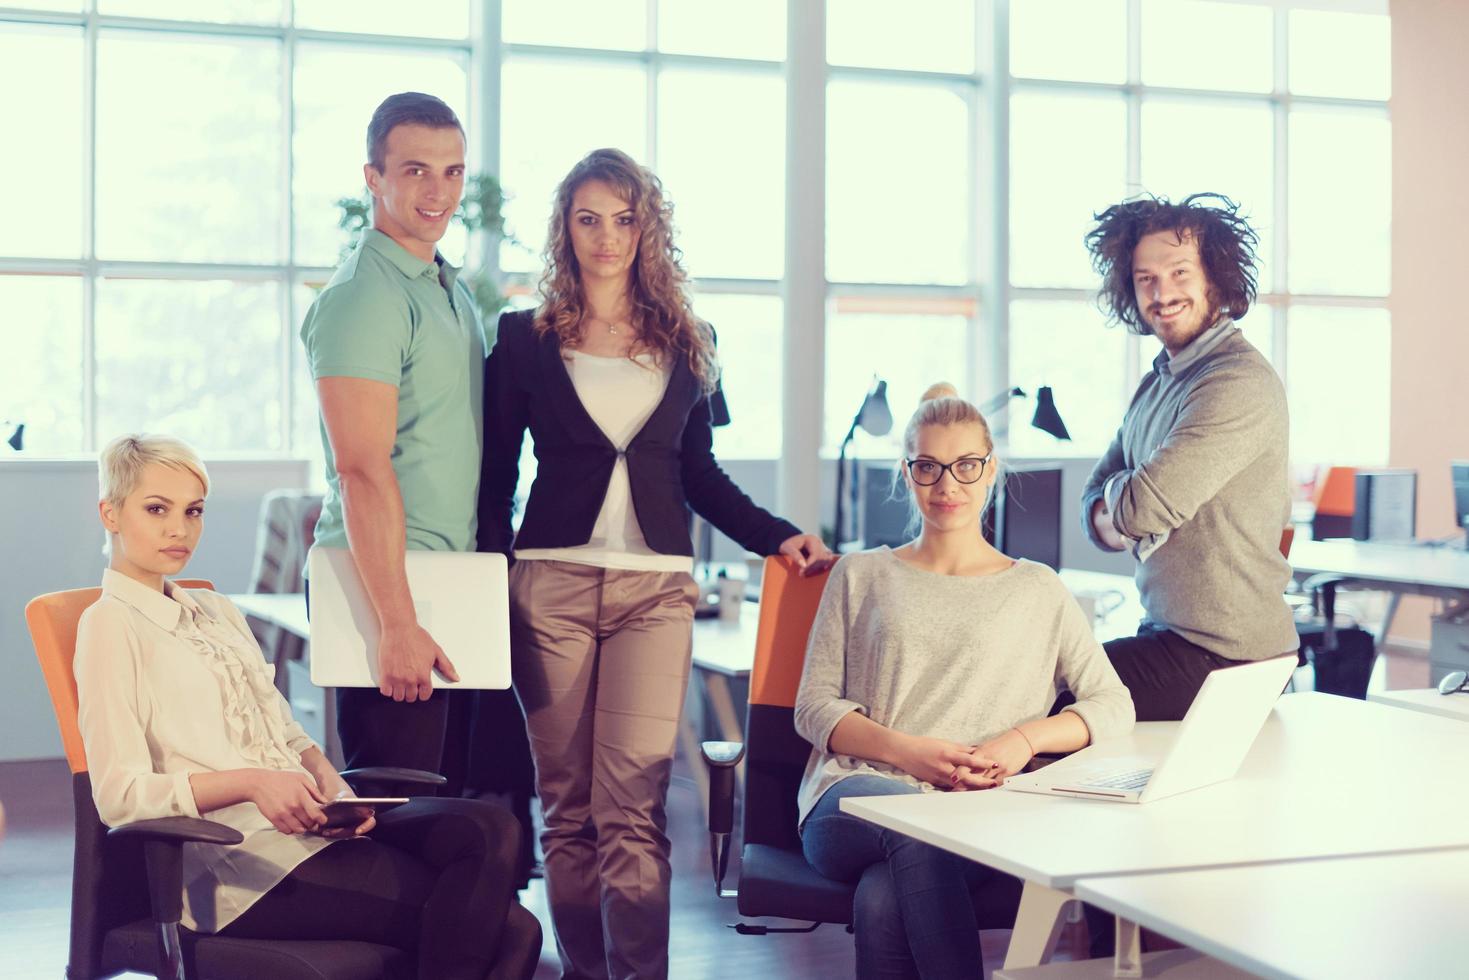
660,313
1226,250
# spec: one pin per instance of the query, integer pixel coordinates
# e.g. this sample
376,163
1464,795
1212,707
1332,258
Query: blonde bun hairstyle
941,405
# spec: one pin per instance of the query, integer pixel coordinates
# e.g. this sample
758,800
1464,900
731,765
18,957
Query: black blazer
670,462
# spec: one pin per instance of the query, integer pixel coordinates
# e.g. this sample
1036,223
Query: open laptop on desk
462,599
1212,741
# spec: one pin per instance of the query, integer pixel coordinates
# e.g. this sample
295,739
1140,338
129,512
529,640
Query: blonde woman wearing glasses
931,667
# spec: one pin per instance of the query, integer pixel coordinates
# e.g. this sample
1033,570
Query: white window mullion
89,233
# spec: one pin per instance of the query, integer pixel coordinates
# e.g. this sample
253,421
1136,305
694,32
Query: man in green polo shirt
397,353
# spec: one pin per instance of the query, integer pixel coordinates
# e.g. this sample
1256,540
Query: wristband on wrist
1028,744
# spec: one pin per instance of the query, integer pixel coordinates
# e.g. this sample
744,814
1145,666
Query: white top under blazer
619,393
172,683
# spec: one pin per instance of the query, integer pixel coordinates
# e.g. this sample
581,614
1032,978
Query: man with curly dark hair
1195,482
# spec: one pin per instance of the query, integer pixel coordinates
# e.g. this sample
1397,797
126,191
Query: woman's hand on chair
936,760
809,552
291,801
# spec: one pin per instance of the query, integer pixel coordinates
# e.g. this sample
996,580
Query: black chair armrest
721,758
388,780
163,842
178,830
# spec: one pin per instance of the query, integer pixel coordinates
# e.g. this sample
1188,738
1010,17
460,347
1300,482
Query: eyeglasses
927,472
1453,682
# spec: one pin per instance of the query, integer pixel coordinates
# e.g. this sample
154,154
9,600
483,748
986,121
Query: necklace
611,325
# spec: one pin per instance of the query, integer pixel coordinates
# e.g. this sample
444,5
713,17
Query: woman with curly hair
618,384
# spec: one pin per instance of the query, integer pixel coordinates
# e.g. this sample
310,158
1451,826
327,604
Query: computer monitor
1459,470
1386,507
884,509
1025,521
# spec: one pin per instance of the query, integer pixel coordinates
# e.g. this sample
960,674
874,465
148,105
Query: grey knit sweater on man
956,657
1197,477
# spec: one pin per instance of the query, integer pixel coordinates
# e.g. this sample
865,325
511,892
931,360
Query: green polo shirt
388,316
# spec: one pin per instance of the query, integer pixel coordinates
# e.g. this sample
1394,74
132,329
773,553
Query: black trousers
1163,671
434,876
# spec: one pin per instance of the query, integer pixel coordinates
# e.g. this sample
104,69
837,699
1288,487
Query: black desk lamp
874,418
17,438
1046,418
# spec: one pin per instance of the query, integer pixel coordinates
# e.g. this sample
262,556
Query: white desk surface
1444,567
727,648
286,610
1398,915
1327,777
1426,700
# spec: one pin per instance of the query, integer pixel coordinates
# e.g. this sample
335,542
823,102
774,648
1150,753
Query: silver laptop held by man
1211,743
462,599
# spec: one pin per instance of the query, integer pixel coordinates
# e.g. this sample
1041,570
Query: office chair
774,878
127,883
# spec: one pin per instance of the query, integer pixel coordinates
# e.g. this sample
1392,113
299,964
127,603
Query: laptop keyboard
1128,780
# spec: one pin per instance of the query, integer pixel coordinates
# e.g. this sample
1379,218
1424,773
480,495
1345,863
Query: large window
194,154
184,161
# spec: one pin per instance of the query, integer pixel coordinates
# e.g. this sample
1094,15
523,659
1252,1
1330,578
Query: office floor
35,885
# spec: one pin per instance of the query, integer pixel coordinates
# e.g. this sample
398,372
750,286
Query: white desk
1426,700
1398,569
1399,915
1315,784
286,610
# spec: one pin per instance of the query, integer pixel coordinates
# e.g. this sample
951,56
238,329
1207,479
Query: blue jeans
912,914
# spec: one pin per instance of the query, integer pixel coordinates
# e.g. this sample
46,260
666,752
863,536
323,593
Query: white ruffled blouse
172,683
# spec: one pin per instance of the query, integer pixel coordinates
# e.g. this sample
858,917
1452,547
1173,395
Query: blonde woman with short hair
180,717
931,668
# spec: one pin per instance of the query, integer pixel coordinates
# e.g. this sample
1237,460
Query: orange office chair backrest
787,608
52,620
775,755
1336,500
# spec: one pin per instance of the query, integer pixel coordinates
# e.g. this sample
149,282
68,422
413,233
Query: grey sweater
1197,476
946,656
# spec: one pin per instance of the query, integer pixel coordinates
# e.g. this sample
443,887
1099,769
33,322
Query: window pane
331,131
1239,164
1346,56
48,5
749,29
908,351
1092,48
1089,382
188,148
306,438
216,11
729,208
41,372
914,231
548,122
1339,368
1068,160
937,35
1340,203
619,24
159,370
442,18
43,59
750,332
1178,51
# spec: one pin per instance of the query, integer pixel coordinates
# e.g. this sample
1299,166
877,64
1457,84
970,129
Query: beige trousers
601,662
